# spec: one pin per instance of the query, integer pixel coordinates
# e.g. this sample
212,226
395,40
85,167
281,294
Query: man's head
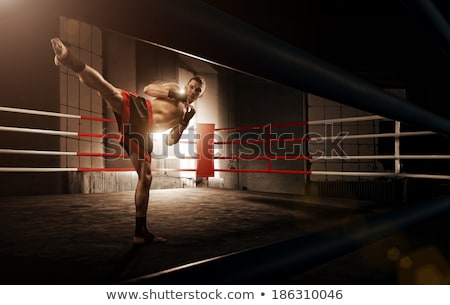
195,88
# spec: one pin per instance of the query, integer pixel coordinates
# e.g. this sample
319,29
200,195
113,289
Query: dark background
389,42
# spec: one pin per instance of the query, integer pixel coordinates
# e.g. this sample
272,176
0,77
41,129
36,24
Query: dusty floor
86,239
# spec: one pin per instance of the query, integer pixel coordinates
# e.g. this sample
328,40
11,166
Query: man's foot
64,58
61,52
148,238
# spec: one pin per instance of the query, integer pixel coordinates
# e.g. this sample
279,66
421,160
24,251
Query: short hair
199,79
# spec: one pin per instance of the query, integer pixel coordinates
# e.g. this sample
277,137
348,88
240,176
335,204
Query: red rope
263,126
96,135
86,154
91,118
265,157
263,141
270,171
273,171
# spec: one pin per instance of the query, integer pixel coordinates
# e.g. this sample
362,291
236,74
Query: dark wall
155,64
28,80
390,43
25,56
260,102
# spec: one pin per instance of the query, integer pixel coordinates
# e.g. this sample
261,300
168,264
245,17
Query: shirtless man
137,117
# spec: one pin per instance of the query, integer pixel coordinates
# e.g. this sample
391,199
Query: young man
137,117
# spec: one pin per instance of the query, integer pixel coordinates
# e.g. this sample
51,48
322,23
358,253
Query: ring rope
410,157
316,122
54,114
57,132
377,135
270,157
248,141
361,136
336,120
274,171
59,153
89,154
82,134
64,115
264,157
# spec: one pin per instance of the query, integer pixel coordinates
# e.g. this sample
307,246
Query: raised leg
88,75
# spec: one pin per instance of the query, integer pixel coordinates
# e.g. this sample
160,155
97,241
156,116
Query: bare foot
64,58
148,238
61,52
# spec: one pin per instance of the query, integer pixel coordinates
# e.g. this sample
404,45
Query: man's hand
176,132
190,112
182,97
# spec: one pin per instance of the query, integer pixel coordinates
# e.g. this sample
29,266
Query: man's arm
177,131
165,90
175,134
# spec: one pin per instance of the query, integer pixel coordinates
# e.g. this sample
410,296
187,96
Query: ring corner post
205,150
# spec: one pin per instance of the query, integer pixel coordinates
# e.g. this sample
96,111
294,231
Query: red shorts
134,124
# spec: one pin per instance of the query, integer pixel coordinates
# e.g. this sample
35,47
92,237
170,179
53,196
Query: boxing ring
208,139
283,259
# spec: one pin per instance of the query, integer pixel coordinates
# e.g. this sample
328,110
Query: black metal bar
428,10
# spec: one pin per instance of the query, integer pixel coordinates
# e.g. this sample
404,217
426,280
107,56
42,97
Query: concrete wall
110,182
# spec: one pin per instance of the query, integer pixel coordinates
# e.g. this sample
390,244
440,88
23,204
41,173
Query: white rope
36,152
424,157
425,176
362,174
41,131
375,174
350,119
383,157
37,112
314,158
74,153
37,169
326,173
76,169
368,136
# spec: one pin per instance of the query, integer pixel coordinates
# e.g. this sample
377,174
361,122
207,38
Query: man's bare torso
166,113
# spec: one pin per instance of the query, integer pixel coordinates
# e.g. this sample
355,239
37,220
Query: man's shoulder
168,85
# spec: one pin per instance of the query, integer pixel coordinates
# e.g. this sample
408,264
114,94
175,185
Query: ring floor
86,238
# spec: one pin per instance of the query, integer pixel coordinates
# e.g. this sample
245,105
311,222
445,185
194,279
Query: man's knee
148,179
114,99
145,174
